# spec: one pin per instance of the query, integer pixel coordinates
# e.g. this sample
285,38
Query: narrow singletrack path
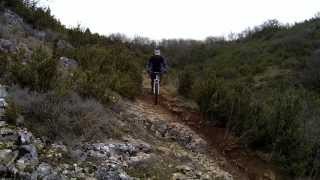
241,162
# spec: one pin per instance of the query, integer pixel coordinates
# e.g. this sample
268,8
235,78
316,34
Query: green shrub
4,61
288,130
12,112
272,120
310,76
39,74
185,83
100,69
263,88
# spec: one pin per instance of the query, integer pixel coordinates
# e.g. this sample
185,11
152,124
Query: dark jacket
157,64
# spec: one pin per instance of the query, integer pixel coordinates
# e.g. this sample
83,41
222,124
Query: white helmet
157,52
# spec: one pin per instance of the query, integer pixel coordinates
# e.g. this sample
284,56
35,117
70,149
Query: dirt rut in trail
238,161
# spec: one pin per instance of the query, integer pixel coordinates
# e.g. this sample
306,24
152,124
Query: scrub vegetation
262,84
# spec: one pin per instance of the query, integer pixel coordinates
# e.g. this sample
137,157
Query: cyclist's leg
152,77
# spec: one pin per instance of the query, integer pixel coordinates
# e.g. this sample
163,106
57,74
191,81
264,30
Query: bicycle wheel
156,93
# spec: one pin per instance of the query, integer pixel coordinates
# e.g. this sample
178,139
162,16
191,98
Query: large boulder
7,46
28,153
41,35
68,63
44,170
14,47
12,18
7,156
62,45
13,26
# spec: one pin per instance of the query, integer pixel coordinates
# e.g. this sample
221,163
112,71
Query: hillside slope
77,106
263,86
49,131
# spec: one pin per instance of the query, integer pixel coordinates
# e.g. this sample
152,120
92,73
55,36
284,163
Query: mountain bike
156,87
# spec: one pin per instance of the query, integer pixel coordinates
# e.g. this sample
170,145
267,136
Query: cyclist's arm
148,66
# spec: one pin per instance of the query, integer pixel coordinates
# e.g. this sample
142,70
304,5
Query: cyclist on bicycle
156,64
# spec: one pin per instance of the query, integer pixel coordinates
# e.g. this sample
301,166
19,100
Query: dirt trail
238,161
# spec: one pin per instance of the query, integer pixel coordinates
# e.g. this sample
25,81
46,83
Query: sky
188,19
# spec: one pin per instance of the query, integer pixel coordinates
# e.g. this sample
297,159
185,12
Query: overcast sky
195,19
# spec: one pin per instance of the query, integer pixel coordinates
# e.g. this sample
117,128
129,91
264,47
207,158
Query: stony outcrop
164,128
8,46
68,63
25,157
18,36
3,102
13,26
189,144
62,45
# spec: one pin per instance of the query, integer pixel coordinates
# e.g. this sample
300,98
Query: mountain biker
156,64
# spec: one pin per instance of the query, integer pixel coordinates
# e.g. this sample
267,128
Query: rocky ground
153,147
174,152
174,139
23,156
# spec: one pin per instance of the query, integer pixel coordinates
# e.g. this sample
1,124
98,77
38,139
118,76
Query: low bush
185,83
4,61
39,73
101,69
273,120
310,75
65,117
263,87
12,113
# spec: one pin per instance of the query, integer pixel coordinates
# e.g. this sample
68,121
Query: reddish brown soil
240,162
